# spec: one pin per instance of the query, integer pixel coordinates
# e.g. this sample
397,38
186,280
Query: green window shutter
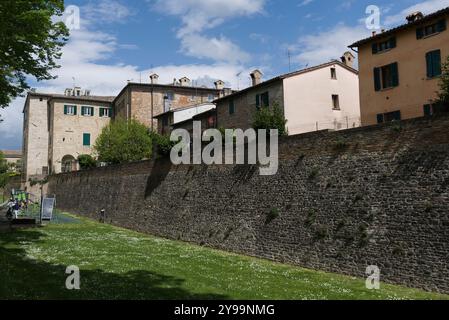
257,101
429,65
395,74
392,43
377,81
101,112
92,111
86,139
436,61
380,118
111,111
65,109
374,48
74,110
266,99
83,111
419,33
441,25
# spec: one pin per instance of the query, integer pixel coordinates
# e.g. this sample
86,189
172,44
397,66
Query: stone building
58,128
317,98
400,69
145,101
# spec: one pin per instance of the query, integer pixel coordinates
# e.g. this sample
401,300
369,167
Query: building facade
399,69
60,127
145,101
317,98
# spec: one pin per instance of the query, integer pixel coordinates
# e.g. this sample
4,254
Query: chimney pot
154,78
256,77
219,85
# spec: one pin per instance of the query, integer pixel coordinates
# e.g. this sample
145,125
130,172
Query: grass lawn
121,264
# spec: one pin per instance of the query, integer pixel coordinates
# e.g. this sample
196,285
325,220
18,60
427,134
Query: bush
163,143
86,161
270,118
444,83
123,141
4,176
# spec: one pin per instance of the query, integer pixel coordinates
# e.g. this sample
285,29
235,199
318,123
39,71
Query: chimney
219,85
154,78
68,92
256,77
415,16
184,82
374,33
348,59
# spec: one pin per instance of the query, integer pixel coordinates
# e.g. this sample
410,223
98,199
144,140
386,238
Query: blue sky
204,40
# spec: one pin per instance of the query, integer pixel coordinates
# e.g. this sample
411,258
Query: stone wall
340,202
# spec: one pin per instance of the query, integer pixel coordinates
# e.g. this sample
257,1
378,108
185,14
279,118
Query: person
11,204
16,209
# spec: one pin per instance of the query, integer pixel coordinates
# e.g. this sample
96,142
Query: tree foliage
3,171
270,118
123,141
86,161
30,43
444,83
163,142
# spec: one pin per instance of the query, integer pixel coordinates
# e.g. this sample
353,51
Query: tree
270,118
30,43
4,175
123,141
444,83
86,161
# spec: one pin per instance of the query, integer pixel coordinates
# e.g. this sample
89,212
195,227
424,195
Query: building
13,158
58,128
168,120
145,101
322,97
399,69
207,118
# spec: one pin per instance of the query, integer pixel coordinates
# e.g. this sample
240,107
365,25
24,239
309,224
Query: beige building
399,69
318,98
12,156
144,101
60,127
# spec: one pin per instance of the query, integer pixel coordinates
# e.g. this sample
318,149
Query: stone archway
68,164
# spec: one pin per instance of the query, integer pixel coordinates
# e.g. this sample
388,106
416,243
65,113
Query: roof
198,115
289,75
426,19
166,86
12,153
80,98
183,108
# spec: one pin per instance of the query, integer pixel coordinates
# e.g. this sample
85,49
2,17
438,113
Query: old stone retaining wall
340,202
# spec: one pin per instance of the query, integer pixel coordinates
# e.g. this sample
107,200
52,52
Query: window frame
334,73
67,108
336,102
381,82
86,135
105,112
90,113
430,64
231,107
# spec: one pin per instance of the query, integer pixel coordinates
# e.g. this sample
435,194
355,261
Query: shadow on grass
26,278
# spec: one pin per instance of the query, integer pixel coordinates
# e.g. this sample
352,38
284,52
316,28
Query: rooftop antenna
289,55
74,84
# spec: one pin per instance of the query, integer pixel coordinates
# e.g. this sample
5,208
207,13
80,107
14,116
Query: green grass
121,264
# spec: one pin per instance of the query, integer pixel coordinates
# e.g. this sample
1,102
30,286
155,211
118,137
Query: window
433,61
435,108
383,46
263,100
333,73
87,111
231,107
105,112
169,96
335,102
389,117
70,110
432,29
86,139
386,77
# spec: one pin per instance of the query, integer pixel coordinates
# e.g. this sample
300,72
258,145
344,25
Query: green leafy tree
86,161
270,118
30,43
4,175
163,142
123,141
444,83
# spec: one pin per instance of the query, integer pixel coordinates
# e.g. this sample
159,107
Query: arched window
68,164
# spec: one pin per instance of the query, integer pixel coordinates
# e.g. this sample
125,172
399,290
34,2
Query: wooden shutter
377,81
419,33
441,25
436,63
374,48
74,110
380,118
86,139
92,111
65,109
266,99
429,64
427,110
395,74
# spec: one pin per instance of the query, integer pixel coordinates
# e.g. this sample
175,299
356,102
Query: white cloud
327,45
200,15
305,3
425,7
105,11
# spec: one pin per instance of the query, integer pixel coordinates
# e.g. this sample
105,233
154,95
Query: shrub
4,176
444,83
270,118
123,141
163,143
86,161
273,214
